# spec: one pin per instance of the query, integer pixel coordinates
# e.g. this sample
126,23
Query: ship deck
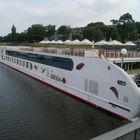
130,62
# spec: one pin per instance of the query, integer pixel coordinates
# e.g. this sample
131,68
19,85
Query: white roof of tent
93,42
47,42
129,43
75,42
115,42
102,42
53,42
86,42
59,42
42,42
67,42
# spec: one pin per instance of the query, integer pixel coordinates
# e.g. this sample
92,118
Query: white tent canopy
102,42
129,43
47,42
42,42
86,42
67,42
53,42
59,42
75,42
115,42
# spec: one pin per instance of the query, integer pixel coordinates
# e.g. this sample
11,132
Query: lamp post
124,53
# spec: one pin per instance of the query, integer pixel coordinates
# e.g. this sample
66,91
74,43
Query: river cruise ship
84,74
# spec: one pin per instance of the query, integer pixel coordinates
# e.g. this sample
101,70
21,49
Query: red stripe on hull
70,94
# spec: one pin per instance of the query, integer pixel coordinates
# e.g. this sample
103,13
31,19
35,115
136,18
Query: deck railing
80,52
63,51
117,54
88,52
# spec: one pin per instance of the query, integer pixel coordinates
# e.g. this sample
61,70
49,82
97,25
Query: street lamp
124,53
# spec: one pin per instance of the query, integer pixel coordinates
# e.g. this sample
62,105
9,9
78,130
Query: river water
31,110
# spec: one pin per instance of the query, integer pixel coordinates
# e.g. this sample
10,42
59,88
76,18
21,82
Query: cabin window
58,62
115,91
122,83
27,64
17,61
31,66
80,66
20,62
23,63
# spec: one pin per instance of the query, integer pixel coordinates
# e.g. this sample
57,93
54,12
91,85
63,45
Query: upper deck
111,55
58,51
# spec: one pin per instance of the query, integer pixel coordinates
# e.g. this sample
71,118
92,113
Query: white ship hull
93,80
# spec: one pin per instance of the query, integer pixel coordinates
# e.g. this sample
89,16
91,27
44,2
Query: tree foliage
63,32
88,33
115,34
126,18
49,31
122,29
12,36
35,33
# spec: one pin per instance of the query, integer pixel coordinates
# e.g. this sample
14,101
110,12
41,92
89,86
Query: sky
74,13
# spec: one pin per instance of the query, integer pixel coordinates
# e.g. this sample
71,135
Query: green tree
126,18
21,37
88,33
114,21
98,35
13,34
63,32
35,33
133,35
128,31
93,33
115,34
138,29
13,30
49,31
96,24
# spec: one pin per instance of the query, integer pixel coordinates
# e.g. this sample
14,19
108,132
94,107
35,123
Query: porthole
122,83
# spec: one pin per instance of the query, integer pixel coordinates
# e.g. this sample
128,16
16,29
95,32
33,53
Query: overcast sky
76,13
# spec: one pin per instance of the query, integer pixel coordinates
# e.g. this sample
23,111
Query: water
31,110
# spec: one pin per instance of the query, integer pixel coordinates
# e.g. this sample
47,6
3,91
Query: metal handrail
121,131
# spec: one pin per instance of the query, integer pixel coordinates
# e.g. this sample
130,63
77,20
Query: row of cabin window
59,62
19,62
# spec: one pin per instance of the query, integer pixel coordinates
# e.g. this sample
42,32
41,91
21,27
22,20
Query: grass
50,45
133,71
64,46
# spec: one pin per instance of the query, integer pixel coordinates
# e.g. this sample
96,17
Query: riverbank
49,45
